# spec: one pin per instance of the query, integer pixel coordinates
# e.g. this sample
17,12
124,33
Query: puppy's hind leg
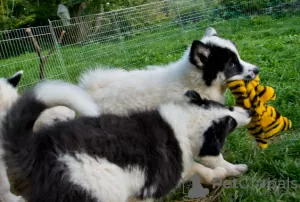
219,161
206,174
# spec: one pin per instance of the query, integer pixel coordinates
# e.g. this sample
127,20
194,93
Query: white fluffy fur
102,179
116,91
54,93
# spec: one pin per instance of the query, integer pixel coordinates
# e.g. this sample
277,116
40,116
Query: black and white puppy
110,158
205,67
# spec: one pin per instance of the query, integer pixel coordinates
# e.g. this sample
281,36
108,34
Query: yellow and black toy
266,121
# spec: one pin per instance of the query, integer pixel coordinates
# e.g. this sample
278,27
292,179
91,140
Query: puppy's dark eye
232,65
231,109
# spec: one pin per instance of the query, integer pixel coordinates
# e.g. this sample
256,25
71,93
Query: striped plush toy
266,121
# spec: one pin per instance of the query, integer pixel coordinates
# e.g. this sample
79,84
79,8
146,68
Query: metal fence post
58,51
177,13
119,29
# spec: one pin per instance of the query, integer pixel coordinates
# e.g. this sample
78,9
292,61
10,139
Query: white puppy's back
119,92
100,78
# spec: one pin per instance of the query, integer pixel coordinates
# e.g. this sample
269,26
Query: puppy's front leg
219,161
207,174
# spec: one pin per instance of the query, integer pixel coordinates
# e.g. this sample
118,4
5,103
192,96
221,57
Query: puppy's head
218,59
210,110
215,122
8,90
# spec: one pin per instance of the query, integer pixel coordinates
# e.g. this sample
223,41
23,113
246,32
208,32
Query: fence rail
99,39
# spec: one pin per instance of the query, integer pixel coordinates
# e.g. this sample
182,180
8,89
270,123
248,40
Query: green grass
272,44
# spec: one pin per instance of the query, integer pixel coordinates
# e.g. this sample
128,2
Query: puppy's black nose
256,70
249,112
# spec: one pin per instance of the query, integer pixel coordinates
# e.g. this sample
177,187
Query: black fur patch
215,136
143,140
219,60
196,99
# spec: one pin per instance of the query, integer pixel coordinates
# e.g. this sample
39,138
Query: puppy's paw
220,173
236,170
242,168
212,174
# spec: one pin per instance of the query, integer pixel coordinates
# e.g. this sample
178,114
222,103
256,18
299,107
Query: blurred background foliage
24,13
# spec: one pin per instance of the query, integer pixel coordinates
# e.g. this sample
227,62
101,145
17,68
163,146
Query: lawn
271,43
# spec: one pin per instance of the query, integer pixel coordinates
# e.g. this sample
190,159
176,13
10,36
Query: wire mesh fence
128,38
32,50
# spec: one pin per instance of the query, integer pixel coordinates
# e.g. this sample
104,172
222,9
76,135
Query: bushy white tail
54,93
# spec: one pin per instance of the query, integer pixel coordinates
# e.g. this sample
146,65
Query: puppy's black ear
15,79
199,54
194,96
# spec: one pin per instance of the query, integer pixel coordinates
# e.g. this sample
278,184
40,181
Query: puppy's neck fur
187,124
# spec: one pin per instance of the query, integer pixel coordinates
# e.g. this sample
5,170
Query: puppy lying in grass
110,157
